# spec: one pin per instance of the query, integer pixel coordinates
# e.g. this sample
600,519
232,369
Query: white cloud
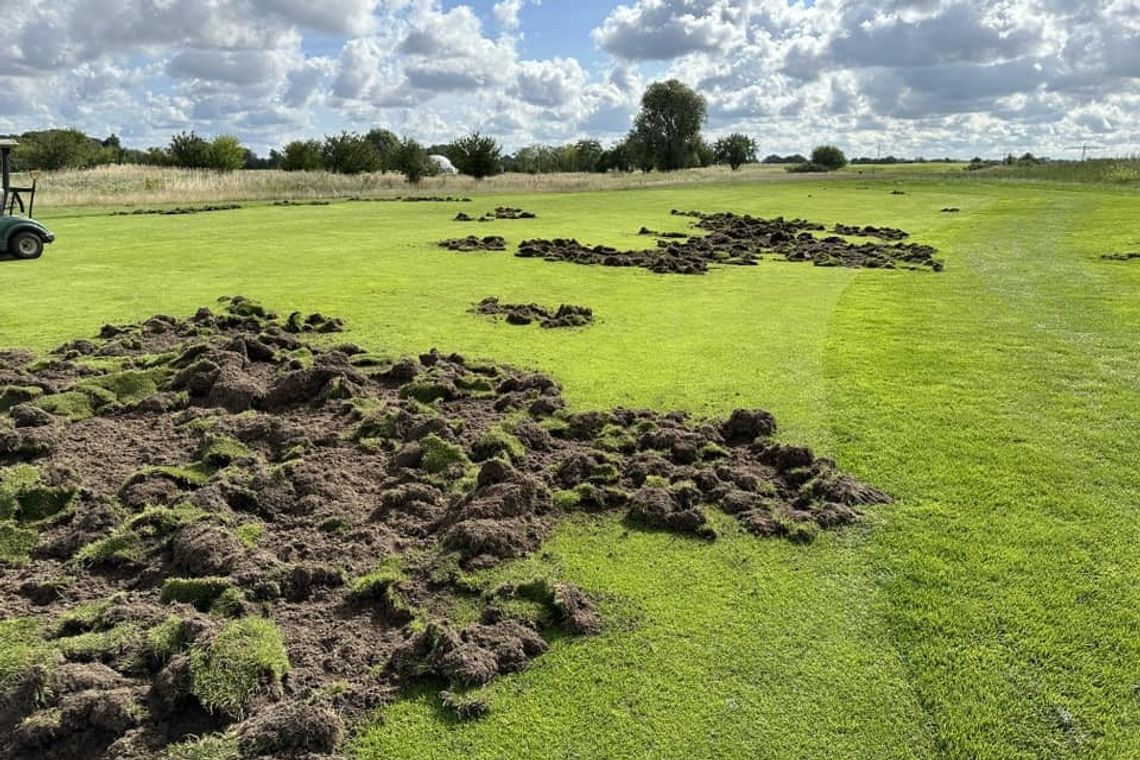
658,30
928,76
507,12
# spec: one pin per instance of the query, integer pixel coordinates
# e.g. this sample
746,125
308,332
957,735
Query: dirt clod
742,240
566,315
241,494
475,243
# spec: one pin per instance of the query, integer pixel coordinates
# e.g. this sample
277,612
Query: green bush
828,156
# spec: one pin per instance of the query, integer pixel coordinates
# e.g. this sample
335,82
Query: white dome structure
443,163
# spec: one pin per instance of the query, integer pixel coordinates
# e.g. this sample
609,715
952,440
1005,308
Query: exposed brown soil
741,240
883,233
566,315
1121,256
412,199
301,203
502,212
951,210
179,211
475,243
219,472
664,235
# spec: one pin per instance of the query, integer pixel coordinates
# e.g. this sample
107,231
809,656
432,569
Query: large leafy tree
349,153
477,155
302,156
735,150
226,154
387,146
54,149
412,160
829,157
587,155
669,123
190,151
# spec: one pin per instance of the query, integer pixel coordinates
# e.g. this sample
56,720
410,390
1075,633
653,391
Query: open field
151,185
991,612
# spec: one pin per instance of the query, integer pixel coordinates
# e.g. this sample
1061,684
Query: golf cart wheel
26,245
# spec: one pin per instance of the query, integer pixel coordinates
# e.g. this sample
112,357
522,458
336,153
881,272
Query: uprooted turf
141,569
991,614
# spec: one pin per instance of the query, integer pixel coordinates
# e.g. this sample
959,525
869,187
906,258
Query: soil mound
301,203
475,243
883,233
566,315
1121,256
212,529
411,199
742,240
502,212
178,211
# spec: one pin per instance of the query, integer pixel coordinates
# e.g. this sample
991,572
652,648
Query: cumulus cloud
549,83
658,30
928,76
507,12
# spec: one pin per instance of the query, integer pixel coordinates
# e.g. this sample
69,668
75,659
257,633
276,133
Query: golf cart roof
7,142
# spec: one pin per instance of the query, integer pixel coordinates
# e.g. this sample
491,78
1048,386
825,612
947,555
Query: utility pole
1084,148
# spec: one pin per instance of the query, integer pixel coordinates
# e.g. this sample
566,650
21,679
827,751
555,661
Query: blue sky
931,77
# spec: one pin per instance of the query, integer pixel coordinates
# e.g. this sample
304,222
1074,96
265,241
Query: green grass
21,647
211,747
200,592
991,612
247,657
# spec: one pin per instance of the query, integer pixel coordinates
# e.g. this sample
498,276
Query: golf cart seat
16,199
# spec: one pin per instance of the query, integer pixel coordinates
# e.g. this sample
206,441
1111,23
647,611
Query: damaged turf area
742,240
215,537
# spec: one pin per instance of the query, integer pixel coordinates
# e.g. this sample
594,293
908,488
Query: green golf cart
21,236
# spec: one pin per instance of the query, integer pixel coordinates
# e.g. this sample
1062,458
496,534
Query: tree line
666,136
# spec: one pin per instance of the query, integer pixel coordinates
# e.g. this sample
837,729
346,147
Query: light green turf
992,612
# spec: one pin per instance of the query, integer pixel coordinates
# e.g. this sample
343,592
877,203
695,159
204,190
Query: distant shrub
829,156
735,150
808,167
774,158
477,156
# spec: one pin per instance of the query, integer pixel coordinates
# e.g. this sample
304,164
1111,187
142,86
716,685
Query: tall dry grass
151,185
1096,171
